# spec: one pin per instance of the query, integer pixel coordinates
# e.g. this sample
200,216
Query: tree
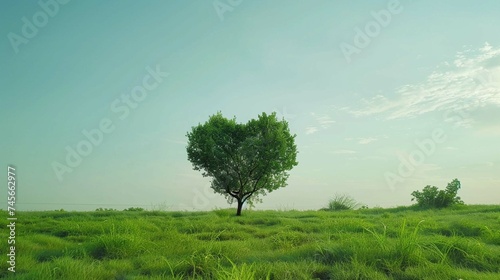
431,196
245,161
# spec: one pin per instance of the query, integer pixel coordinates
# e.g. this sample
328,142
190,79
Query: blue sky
385,97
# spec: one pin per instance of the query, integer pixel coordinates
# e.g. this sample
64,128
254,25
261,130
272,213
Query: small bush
100,209
342,202
134,209
431,197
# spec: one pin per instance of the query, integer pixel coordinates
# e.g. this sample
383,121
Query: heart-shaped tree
244,160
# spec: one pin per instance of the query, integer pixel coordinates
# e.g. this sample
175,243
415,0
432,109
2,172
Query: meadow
460,242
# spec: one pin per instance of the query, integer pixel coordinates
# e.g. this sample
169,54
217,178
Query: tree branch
235,165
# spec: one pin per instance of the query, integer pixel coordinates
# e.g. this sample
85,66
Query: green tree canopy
245,161
431,196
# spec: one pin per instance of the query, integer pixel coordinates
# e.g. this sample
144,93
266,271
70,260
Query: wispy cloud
311,130
343,152
366,140
324,120
489,163
321,121
426,171
471,81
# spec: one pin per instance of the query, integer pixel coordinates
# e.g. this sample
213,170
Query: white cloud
324,120
311,130
343,152
489,164
366,140
426,170
471,81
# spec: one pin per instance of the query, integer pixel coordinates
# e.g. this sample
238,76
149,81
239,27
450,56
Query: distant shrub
432,197
105,209
342,202
134,209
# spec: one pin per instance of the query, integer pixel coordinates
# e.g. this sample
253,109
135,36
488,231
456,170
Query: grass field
399,243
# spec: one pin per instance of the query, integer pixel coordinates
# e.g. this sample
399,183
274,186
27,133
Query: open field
400,243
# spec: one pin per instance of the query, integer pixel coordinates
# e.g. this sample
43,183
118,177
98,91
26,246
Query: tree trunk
240,205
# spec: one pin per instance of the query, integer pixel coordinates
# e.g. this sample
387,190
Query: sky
385,97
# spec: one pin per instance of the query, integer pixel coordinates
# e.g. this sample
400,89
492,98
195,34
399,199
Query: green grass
399,243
